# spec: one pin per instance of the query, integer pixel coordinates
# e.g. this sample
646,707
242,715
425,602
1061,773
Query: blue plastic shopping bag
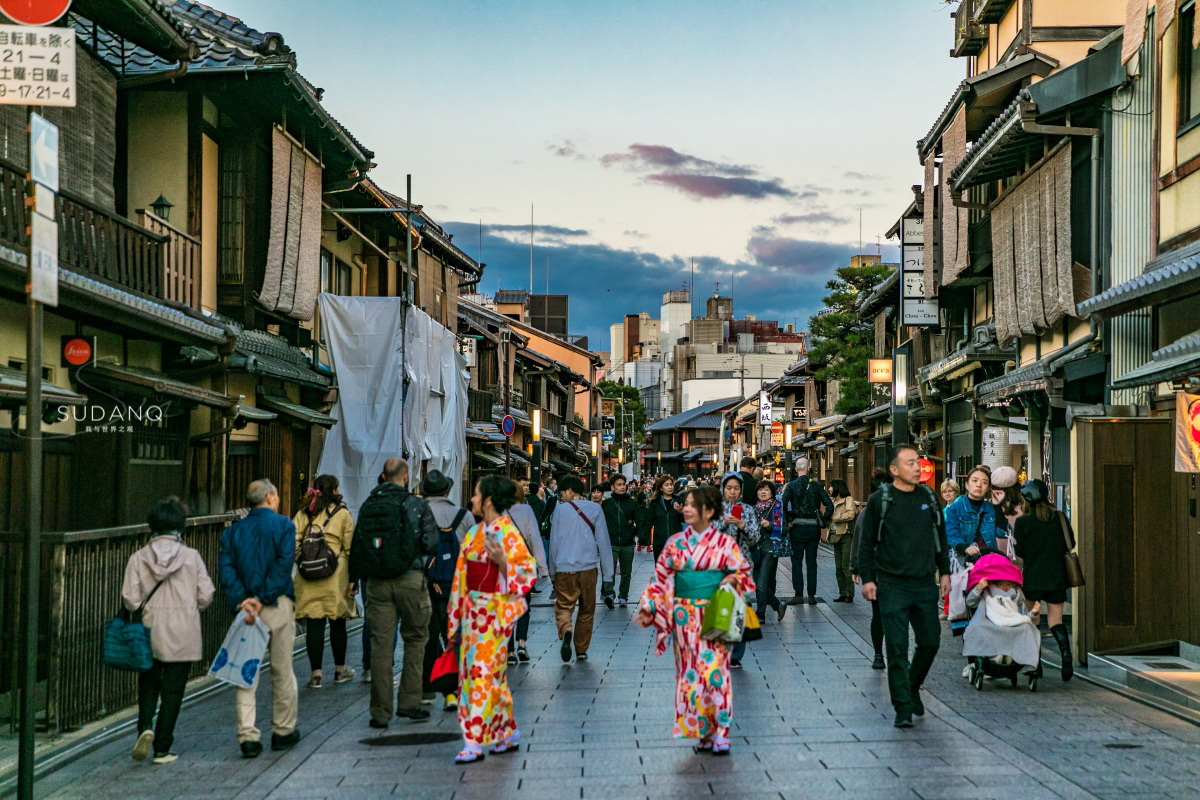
241,653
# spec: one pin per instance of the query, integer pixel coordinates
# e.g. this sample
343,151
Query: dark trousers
439,619
901,605
623,555
739,649
876,628
805,539
658,548
765,578
315,642
404,600
165,681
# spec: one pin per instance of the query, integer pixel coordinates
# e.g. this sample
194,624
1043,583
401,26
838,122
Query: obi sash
697,584
482,576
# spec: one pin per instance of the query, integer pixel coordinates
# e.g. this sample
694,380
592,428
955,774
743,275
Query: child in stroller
1001,638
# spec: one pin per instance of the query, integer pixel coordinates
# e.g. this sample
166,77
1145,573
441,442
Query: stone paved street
811,720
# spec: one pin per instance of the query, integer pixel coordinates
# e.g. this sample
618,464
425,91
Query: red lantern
926,471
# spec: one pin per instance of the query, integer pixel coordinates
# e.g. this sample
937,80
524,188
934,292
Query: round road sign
508,426
776,427
34,12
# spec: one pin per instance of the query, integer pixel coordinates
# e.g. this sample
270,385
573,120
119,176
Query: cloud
642,157
861,176
812,218
696,177
637,234
798,256
538,230
566,149
717,186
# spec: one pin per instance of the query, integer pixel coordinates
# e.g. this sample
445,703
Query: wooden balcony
159,261
992,11
970,36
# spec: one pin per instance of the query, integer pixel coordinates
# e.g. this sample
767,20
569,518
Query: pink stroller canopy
994,567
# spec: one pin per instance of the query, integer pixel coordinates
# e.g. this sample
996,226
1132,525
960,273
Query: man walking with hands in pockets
903,543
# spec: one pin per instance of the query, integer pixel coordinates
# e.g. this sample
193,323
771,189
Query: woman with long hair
774,545
693,564
1041,541
495,571
323,513
841,537
525,519
971,519
664,513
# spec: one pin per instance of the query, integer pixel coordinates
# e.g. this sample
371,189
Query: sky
743,141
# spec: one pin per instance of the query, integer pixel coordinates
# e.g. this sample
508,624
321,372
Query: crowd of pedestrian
454,580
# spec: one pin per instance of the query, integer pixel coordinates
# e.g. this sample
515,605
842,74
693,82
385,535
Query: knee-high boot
1063,638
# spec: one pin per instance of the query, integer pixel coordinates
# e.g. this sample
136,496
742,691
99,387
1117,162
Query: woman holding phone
741,522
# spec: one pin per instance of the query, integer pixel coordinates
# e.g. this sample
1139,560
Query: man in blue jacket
257,554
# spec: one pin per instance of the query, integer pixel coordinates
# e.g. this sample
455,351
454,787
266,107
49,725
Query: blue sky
745,135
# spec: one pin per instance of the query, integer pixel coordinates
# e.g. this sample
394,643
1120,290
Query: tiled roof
104,294
1164,277
223,43
265,354
687,418
1177,360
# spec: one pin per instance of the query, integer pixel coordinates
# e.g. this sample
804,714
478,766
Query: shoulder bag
1074,569
127,640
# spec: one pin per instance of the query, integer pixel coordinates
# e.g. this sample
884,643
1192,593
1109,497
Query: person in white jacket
170,583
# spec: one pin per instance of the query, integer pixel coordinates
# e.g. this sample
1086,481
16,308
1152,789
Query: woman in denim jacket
971,519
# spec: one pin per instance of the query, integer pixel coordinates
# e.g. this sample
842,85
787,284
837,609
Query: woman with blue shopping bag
168,581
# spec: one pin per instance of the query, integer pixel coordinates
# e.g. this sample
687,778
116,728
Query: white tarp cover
363,335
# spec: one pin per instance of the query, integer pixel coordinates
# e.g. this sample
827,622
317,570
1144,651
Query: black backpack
885,504
444,561
315,559
544,522
387,541
804,508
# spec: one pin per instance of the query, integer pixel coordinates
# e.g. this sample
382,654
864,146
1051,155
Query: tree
843,344
633,404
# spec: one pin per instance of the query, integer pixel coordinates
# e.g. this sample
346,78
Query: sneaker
251,749
416,715
427,698
622,602
366,676
285,742
581,657
565,650
313,683
343,675
735,664
512,658
142,748
165,758
878,662
918,707
608,600
451,703
903,719
522,655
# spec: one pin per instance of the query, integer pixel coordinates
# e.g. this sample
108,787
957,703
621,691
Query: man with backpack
453,522
396,538
903,544
807,509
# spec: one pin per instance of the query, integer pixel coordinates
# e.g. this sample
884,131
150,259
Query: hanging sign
879,370
914,308
764,408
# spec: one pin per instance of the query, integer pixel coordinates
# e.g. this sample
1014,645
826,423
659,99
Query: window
231,213
343,279
326,270
1189,72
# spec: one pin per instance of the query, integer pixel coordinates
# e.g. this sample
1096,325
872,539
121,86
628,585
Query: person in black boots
903,545
807,510
622,514
877,480
1042,534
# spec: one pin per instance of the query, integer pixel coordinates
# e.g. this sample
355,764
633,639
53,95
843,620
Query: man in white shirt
579,547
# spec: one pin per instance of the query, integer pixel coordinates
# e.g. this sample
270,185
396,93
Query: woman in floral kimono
494,573
690,568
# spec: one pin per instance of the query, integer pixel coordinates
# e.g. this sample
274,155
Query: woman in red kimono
494,573
692,565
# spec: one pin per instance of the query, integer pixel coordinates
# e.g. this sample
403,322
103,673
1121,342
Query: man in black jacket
622,514
395,537
749,484
903,543
803,501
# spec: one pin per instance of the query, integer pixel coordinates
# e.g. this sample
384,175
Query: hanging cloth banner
1187,432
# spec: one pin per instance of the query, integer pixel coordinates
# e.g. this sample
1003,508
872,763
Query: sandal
509,745
720,746
703,746
468,755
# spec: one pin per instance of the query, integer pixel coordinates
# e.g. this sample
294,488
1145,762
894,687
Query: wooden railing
181,260
82,574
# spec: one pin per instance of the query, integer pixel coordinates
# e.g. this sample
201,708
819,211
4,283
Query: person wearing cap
1041,542
1006,497
450,518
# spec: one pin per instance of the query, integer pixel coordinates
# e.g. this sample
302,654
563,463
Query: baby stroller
1000,650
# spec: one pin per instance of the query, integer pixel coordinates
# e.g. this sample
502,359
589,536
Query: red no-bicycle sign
34,12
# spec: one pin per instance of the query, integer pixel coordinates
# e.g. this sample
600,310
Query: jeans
903,604
623,555
739,648
405,598
521,630
166,680
439,620
843,551
315,642
768,572
805,539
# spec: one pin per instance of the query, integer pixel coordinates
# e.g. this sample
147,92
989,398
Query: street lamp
596,456
162,208
536,469
900,396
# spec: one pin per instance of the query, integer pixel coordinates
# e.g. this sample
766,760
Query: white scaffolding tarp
375,422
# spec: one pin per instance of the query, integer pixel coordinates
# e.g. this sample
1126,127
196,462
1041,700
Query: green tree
633,404
843,343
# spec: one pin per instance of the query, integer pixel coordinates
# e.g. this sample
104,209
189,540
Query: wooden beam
1071,34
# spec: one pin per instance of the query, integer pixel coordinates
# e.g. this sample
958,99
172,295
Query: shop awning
1171,276
488,431
252,414
521,418
275,367
296,412
154,383
845,451
1180,359
962,362
486,457
562,465
12,390
693,455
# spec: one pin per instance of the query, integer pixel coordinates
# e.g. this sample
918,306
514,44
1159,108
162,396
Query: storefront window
1189,71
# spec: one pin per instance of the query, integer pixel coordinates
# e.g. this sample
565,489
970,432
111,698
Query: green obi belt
697,584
